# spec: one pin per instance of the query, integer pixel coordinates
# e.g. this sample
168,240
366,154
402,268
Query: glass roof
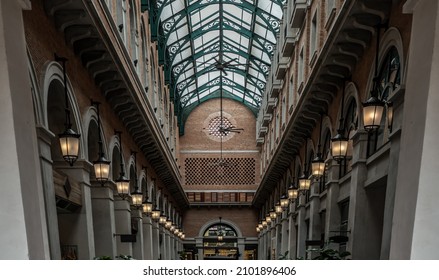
218,46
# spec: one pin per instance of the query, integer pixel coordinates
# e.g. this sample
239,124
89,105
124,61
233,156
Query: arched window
215,248
133,34
389,80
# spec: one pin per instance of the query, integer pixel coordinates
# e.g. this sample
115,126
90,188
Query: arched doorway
220,241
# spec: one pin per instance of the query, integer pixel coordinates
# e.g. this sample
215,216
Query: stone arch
52,96
212,222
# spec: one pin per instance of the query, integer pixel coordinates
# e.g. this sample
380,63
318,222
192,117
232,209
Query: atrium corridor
219,129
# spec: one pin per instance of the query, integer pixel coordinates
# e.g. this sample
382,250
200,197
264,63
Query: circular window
218,127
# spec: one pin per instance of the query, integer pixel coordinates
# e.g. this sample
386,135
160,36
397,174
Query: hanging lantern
155,214
69,139
318,166
273,214
278,209
339,147
137,198
101,165
284,202
372,113
292,192
162,219
147,207
304,182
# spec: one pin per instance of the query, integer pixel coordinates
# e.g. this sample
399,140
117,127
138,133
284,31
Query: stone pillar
162,243
168,245
104,221
389,205
415,228
122,215
302,228
137,220
314,215
332,223
78,227
24,227
148,243
292,233
285,231
241,248
362,243
278,238
199,245
155,245
45,137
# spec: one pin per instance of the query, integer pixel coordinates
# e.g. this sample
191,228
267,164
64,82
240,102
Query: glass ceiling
218,46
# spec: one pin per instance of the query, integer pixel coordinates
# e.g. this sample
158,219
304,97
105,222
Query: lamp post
69,139
101,165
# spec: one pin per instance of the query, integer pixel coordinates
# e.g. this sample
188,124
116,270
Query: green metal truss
193,35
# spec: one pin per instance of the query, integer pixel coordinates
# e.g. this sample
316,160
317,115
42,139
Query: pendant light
284,202
318,164
122,183
304,181
162,219
101,165
293,191
373,107
69,139
339,143
136,195
278,208
146,203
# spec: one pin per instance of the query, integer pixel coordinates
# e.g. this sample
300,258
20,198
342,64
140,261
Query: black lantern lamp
162,219
146,203
155,214
69,139
373,107
101,165
292,191
304,181
318,164
136,195
339,143
284,202
278,208
122,183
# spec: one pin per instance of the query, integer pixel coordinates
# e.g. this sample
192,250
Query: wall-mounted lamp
101,165
284,202
69,139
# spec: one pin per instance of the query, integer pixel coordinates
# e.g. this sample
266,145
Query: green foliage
326,253
284,256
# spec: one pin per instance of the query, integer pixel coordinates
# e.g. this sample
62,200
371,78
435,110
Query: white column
292,235
78,227
44,142
155,246
104,222
136,218
122,215
415,228
314,216
302,229
285,229
23,223
148,239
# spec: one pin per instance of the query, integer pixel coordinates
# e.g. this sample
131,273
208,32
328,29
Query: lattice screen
212,171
